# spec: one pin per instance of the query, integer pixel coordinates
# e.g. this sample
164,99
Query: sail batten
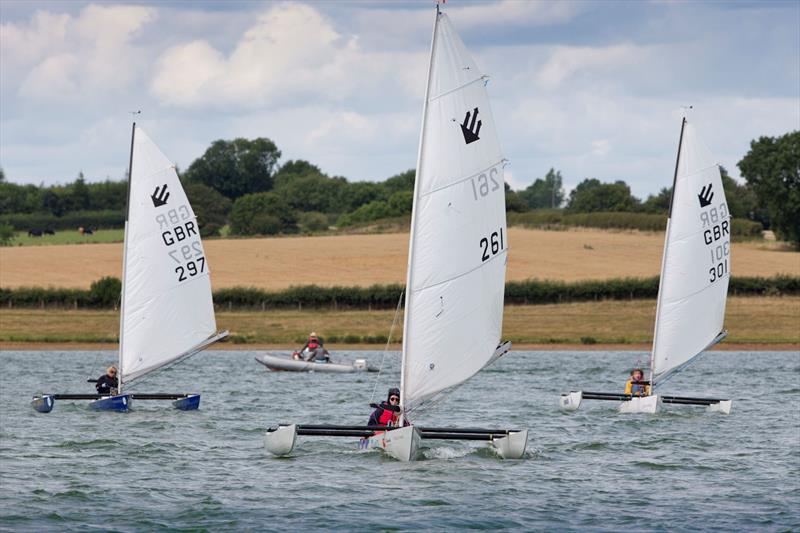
696,267
459,242
167,310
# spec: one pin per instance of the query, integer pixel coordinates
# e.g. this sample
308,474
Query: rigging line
462,180
463,273
388,342
481,78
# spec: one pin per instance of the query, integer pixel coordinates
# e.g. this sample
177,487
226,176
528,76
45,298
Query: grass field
69,237
363,260
759,320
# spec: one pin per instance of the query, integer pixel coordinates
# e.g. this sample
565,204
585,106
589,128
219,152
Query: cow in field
85,231
49,231
34,233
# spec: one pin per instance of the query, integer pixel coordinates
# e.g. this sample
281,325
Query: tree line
240,184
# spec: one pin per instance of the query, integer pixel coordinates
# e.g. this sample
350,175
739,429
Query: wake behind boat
167,313
289,364
456,263
693,288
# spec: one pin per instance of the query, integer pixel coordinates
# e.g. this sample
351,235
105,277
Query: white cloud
61,57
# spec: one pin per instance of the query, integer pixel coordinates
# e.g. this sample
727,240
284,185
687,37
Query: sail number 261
492,245
484,183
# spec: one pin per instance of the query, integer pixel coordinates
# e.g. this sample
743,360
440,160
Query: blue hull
121,402
44,403
190,403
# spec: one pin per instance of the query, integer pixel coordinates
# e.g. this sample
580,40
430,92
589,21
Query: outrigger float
457,257
695,272
167,313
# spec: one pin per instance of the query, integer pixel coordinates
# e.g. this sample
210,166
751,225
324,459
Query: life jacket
313,344
636,389
387,417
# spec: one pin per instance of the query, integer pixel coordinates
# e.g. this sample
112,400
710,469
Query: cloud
58,57
567,62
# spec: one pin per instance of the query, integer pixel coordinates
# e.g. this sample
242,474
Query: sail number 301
492,245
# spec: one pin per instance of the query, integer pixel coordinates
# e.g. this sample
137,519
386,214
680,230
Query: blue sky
594,89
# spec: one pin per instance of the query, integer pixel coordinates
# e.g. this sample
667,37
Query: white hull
512,446
281,441
723,407
295,365
401,443
643,404
571,401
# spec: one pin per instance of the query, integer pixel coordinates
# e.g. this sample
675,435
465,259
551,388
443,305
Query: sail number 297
492,245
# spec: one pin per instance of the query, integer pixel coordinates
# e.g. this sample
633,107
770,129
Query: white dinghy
457,260
695,272
167,313
284,363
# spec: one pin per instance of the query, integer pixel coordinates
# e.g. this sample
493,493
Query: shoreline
554,347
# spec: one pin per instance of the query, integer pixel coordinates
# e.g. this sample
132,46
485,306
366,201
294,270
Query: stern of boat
280,440
641,404
512,446
571,401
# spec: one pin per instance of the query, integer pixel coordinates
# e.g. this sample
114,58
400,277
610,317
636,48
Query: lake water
155,468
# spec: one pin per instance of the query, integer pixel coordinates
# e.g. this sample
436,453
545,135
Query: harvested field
755,320
277,263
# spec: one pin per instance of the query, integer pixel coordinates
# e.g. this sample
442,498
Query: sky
594,89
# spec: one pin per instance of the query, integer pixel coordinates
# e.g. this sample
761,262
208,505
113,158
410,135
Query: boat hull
43,403
190,403
287,364
644,404
281,440
120,403
512,446
571,401
401,443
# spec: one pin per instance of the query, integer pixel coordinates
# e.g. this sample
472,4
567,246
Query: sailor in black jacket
108,383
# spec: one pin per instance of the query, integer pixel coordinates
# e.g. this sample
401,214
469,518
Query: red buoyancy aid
313,344
387,417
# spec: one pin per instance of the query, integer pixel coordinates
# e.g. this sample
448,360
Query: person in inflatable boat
317,352
388,412
636,385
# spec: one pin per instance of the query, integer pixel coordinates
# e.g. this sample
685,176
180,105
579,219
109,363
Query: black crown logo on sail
160,196
705,196
471,132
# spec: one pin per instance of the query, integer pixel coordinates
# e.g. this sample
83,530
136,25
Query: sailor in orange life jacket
317,351
388,412
636,385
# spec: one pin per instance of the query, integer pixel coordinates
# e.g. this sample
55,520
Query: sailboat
167,313
695,271
456,264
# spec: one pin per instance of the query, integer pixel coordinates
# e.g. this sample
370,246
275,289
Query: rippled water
159,469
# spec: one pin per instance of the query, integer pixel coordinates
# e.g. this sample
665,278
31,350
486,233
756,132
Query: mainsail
459,242
167,311
696,266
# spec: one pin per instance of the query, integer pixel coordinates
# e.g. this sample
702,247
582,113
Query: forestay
167,309
696,265
459,242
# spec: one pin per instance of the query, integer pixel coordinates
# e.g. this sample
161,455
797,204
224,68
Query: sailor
108,383
388,412
636,385
317,352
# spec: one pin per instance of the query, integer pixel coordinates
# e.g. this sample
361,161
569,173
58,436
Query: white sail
696,265
459,242
167,310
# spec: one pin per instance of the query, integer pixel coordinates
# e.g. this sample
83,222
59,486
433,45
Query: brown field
277,263
751,321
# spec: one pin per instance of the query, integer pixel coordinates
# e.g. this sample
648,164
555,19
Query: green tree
547,192
79,199
236,168
591,195
742,201
514,203
400,182
293,169
211,208
6,233
262,213
401,203
312,192
772,169
658,203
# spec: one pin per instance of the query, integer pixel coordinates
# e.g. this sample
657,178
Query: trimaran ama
457,260
695,272
167,313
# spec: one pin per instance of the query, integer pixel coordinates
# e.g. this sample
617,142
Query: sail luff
664,255
125,263
414,208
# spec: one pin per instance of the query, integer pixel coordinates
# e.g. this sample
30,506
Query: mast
409,277
664,254
125,262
